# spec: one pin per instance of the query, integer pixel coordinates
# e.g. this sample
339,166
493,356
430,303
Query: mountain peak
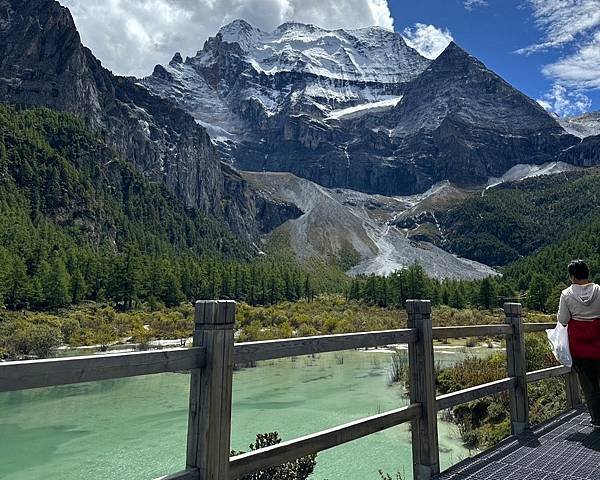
176,59
241,32
454,52
293,25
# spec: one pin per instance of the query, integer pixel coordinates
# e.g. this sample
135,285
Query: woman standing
579,307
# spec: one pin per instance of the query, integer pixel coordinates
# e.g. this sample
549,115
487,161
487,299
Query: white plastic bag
559,341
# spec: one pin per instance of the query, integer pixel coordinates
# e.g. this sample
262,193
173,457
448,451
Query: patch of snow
523,171
364,108
583,125
217,134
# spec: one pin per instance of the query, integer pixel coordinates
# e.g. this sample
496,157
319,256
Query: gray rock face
42,62
582,126
461,122
584,154
271,100
357,109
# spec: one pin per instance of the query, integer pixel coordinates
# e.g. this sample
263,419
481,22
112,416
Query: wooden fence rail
211,363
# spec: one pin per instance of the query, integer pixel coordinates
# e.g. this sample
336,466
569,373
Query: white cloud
472,4
428,40
574,26
131,36
563,21
579,70
565,103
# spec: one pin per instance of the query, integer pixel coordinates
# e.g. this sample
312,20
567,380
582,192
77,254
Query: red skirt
584,339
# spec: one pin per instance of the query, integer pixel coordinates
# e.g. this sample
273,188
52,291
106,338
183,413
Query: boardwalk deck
566,448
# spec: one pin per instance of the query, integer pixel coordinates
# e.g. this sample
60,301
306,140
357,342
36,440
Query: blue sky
549,49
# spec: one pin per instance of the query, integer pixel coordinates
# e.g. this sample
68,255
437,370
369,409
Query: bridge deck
566,448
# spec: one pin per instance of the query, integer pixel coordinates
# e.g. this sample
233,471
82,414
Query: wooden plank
183,475
572,387
425,448
453,399
209,422
471,331
61,371
291,450
291,347
537,327
545,373
517,368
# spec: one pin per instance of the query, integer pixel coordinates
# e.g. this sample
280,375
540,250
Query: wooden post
517,368
209,424
572,386
426,455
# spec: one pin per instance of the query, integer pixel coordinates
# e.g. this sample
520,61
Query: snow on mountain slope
370,54
337,219
243,79
357,109
582,126
523,171
363,108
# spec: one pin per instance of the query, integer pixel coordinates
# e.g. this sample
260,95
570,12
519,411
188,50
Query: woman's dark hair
579,270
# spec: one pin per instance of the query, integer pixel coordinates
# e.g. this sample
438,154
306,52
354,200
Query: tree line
413,283
131,278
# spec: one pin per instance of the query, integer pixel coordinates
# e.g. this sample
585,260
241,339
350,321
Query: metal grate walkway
564,448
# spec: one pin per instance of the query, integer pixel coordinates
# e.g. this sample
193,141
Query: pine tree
3,158
487,293
538,293
19,285
554,298
457,297
56,282
78,287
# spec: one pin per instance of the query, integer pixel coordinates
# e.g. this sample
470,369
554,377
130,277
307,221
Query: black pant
588,372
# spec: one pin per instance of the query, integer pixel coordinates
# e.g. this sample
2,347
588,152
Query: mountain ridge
44,63
308,101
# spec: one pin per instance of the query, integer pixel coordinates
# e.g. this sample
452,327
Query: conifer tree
55,282
487,293
537,295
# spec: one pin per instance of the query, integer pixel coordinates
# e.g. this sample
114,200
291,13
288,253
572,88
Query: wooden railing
211,362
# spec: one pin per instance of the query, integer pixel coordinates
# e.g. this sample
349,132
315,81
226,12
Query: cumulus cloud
471,4
131,36
428,40
565,103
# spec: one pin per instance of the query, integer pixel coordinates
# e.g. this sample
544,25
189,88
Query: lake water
136,428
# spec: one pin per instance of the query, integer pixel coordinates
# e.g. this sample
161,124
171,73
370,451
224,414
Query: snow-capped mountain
356,109
244,74
582,126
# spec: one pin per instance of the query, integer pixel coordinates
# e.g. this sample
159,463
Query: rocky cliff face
356,109
584,154
461,122
42,62
273,100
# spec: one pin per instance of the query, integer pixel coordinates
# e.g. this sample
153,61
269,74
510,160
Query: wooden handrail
546,373
191,474
291,347
471,331
291,450
211,361
537,327
28,374
466,395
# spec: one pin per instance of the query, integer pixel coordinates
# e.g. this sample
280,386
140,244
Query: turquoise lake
136,428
